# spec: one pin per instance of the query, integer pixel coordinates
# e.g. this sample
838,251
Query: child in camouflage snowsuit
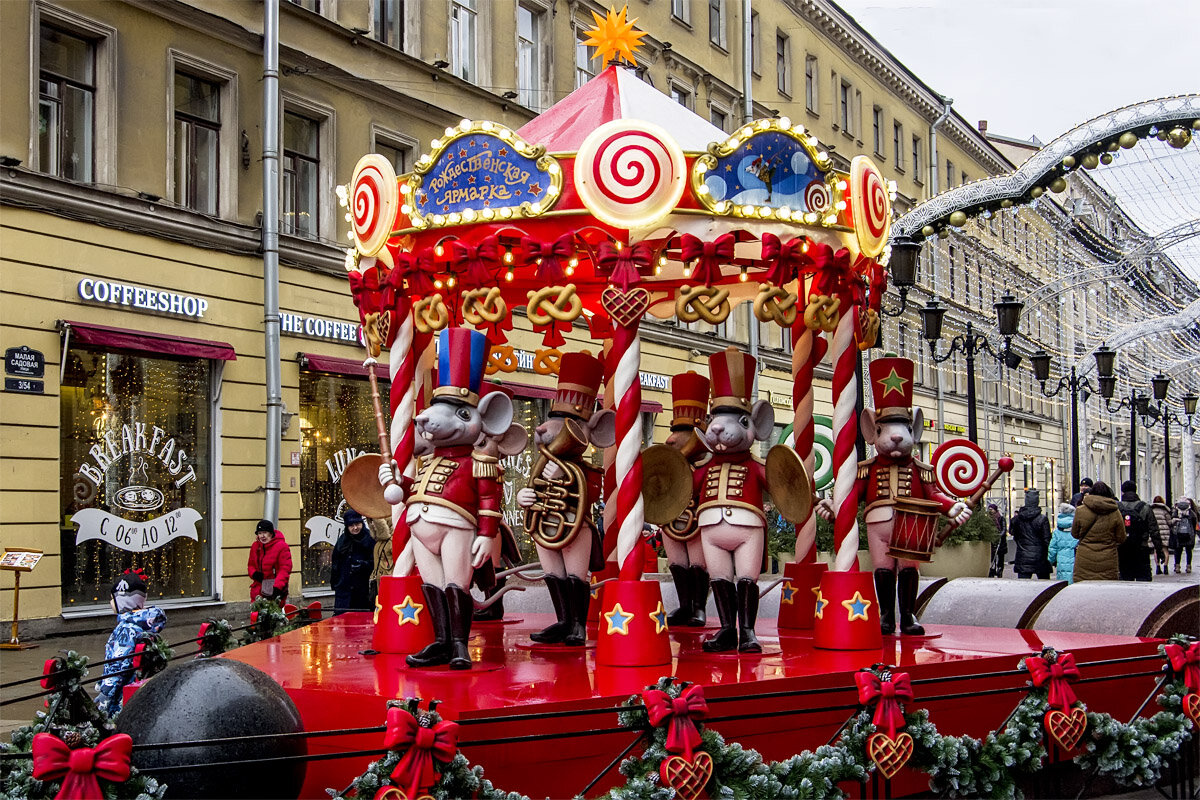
134,624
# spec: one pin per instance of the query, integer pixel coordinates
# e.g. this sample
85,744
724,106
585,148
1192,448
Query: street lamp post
1160,384
1075,382
1135,401
1008,318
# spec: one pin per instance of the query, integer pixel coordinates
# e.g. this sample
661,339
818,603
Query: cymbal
788,484
361,487
666,483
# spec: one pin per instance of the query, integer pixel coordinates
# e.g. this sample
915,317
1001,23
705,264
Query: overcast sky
1040,67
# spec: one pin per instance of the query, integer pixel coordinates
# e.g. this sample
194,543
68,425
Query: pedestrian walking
270,564
1062,544
1183,531
1099,528
353,560
1160,535
135,623
1134,553
1000,546
1085,486
1031,537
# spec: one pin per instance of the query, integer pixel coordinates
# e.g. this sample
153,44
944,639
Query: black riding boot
683,588
578,596
699,596
906,592
725,596
496,610
462,609
439,651
555,633
885,592
747,590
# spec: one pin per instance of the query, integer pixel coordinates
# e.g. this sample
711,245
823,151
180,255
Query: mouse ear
866,424
762,417
496,412
918,425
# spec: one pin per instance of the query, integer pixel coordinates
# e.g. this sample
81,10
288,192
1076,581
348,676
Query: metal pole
270,245
1166,457
1074,431
1133,443
747,62
972,423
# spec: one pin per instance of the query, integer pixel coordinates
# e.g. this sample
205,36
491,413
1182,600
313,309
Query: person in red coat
270,563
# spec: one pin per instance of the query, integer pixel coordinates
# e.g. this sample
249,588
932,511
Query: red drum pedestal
847,613
798,595
402,620
596,604
633,626
915,529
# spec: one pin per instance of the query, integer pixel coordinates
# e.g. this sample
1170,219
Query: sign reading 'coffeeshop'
142,298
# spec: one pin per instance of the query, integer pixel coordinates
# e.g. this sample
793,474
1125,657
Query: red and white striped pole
845,431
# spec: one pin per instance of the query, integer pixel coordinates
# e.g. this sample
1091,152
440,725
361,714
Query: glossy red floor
790,698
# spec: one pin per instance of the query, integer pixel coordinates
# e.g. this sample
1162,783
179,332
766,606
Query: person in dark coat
270,564
1133,555
353,562
1000,546
1100,529
1031,536
1161,534
1183,532
1085,486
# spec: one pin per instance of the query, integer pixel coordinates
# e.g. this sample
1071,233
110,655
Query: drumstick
1005,466
391,490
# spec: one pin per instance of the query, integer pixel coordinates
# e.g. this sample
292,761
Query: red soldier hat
462,354
892,387
689,400
579,377
732,374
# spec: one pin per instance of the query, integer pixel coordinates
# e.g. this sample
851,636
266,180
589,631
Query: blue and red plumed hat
462,355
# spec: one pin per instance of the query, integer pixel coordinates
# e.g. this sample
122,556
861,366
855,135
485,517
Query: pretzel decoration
554,304
822,313
501,358
484,306
707,303
430,314
375,327
773,304
547,362
868,329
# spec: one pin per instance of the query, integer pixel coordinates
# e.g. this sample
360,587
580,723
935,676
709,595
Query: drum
915,529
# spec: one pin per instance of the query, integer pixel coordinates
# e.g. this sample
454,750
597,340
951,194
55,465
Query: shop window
66,104
197,142
136,469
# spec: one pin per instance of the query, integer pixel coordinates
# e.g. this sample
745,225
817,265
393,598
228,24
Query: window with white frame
311,5
681,10
718,116
845,110
396,148
755,43
898,144
66,104
877,126
716,22
949,174
783,63
916,159
197,143
810,83
529,56
681,94
584,69
301,174
387,18
463,18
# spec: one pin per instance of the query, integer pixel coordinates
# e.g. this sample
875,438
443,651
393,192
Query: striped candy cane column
402,364
609,487
627,390
808,348
845,429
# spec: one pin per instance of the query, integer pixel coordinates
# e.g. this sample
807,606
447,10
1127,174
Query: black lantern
1105,360
1141,404
1189,404
931,320
1008,315
1108,386
1041,365
1012,359
1160,383
903,263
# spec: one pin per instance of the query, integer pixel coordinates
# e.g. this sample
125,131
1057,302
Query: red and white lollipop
960,467
630,174
374,198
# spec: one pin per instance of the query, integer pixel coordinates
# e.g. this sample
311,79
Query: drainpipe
270,246
933,154
748,116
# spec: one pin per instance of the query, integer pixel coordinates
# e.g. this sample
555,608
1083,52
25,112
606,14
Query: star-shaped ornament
857,606
659,615
618,620
375,616
788,592
893,383
614,38
408,611
819,608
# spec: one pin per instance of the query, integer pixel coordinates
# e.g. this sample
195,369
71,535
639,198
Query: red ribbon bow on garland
1186,660
82,769
785,261
836,276
416,772
549,257
626,265
679,713
709,256
418,270
477,262
1058,676
368,288
889,693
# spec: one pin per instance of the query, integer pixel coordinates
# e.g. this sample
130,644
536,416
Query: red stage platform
791,698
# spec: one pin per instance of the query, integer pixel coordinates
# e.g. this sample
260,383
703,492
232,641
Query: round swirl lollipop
823,449
870,206
817,197
960,467
630,174
374,198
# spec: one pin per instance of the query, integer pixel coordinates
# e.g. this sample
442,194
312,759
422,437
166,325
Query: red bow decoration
50,672
82,769
785,261
889,693
1058,675
836,276
368,289
415,771
624,266
549,257
878,277
314,610
1185,660
709,256
679,713
477,262
418,270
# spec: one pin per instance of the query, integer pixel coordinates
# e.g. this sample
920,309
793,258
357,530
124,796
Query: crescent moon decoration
870,206
960,467
630,174
374,198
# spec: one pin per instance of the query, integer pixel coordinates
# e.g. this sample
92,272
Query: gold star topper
613,37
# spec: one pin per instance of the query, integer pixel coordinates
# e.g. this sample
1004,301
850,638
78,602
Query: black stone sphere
216,698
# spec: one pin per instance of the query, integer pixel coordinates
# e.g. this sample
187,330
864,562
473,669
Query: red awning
146,342
340,366
525,390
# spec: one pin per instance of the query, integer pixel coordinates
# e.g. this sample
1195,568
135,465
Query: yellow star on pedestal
857,606
893,383
618,620
408,611
788,593
659,615
819,608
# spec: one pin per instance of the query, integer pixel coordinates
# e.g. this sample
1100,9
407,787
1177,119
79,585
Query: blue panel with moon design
480,171
769,169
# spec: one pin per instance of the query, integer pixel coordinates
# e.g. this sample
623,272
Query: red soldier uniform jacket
734,480
881,481
463,480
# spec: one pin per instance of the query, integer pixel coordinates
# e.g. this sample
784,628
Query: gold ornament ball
1196,124
1106,158
928,231
1091,161
1113,147
1036,192
958,219
1006,203
1128,139
1161,136
1069,162
1179,137
1058,185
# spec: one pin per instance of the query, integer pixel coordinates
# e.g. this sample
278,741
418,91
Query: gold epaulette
484,466
703,461
758,460
925,471
864,469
